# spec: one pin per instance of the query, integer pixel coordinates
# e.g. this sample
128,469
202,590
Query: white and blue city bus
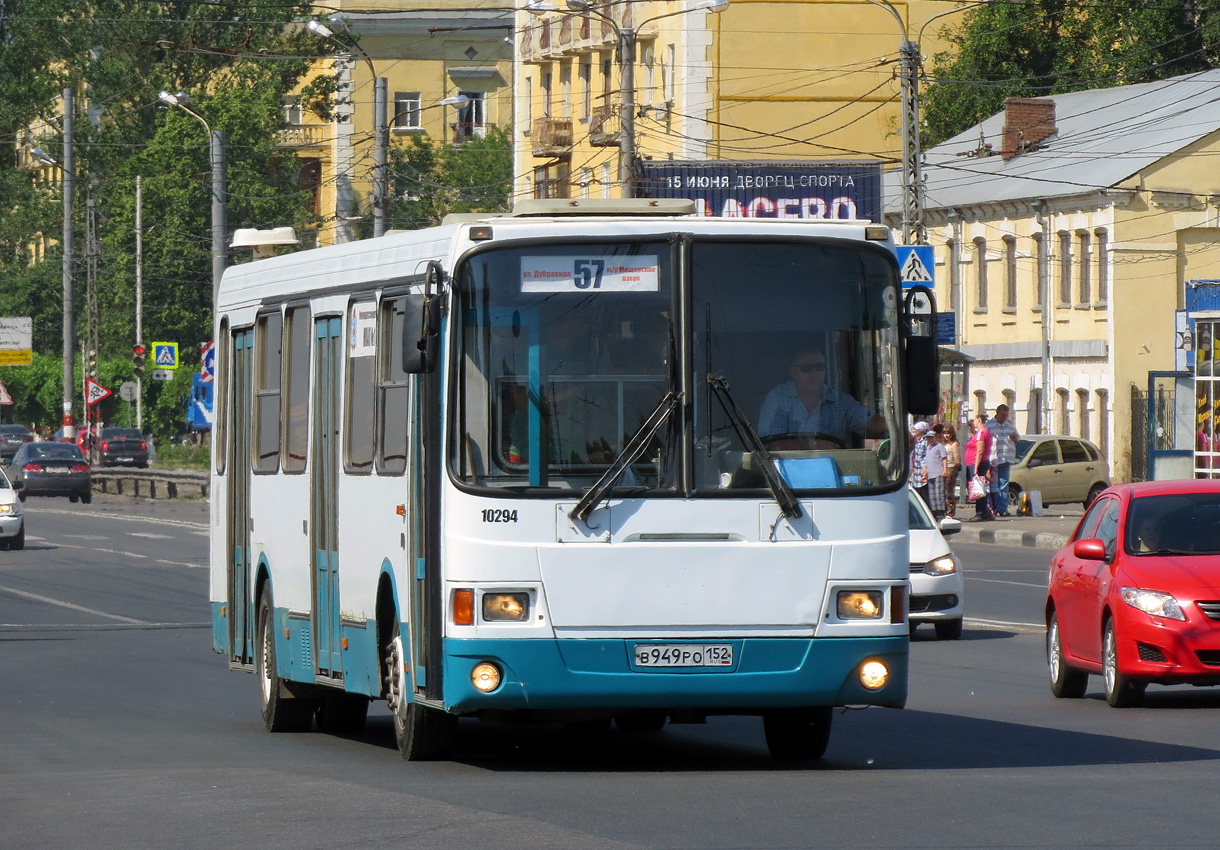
510,465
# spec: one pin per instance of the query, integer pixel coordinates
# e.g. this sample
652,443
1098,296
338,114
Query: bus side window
360,398
296,422
269,354
394,390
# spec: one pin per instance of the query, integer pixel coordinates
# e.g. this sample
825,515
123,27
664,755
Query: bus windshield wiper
630,453
749,437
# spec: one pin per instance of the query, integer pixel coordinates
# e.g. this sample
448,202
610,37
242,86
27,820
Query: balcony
303,136
464,131
604,129
552,136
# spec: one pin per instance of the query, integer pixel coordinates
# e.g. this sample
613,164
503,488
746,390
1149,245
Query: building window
607,80
1010,273
1103,266
1034,419
668,71
1065,270
1082,412
607,179
547,81
1062,417
951,251
980,403
1084,262
1039,248
586,90
586,180
471,118
1103,422
406,110
565,89
650,74
980,266
292,111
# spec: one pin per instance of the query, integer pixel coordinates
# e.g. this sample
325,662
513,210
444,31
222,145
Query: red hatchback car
1135,594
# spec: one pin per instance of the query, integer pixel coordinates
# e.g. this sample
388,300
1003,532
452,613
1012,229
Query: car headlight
1153,602
941,566
510,607
9,509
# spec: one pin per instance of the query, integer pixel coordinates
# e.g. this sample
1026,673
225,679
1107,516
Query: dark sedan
52,469
13,437
123,446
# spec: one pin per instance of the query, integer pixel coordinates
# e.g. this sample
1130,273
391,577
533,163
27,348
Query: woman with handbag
978,464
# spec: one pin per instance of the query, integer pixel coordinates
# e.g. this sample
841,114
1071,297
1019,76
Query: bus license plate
683,655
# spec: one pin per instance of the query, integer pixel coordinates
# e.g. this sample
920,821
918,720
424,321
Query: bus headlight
859,604
874,675
510,607
485,677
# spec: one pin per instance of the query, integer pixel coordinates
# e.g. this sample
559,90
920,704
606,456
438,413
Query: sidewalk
1049,531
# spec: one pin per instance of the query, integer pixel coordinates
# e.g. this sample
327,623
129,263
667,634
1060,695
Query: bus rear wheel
281,712
798,733
422,733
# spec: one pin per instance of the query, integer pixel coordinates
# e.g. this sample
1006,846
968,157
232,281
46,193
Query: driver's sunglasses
810,367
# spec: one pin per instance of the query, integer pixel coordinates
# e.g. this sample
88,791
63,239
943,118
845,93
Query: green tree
431,179
1045,47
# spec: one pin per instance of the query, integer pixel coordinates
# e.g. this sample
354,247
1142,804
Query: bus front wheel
798,733
422,733
281,712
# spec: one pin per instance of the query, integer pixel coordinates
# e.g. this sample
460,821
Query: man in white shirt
1005,434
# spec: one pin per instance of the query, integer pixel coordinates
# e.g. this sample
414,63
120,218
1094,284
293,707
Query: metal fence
152,483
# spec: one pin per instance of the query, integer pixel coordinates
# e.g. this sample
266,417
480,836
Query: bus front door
241,638
324,487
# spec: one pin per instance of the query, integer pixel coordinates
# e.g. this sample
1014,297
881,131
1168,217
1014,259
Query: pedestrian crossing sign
165,355
916,265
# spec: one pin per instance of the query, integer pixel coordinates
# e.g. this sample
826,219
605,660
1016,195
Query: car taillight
143,446
33,467
105,445
79,467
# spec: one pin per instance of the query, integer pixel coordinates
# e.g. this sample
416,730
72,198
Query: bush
177,456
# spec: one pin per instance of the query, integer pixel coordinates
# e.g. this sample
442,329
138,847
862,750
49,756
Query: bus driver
805,406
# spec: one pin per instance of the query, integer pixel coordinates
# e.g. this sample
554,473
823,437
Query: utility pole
913,231
1044,288
69,351
626,64
139,295
220,216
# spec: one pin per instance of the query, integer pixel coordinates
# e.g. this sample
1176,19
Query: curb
1005,537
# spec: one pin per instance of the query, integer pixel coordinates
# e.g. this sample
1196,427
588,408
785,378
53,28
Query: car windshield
1175,523
918,516
14,431
1023,447
54,451
121,433
4,485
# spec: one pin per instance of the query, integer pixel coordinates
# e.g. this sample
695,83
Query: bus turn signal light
463,607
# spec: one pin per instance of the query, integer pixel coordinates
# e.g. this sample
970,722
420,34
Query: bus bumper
600,673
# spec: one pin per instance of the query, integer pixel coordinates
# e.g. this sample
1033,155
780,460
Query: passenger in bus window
806,409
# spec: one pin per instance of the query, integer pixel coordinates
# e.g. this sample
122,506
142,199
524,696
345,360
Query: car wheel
798,733
1066,682
949,629
1093,494
1014,496
281,712
87,497
18,542
72,498
1121,692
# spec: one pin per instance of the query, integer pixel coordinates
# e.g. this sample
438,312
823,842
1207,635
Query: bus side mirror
421,324
421,330
922,353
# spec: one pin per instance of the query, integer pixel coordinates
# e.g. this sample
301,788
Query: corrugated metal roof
1104,137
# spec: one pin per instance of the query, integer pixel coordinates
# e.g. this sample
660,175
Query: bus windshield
563,351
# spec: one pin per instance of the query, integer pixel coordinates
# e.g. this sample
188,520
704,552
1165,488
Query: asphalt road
120,728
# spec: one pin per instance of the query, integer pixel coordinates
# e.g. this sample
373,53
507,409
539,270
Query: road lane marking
87,536
1040,585
150,535
1005,624
135,555
181,523
62,604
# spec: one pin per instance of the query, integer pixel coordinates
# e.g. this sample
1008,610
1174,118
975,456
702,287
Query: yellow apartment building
428,53
1068,232
746,80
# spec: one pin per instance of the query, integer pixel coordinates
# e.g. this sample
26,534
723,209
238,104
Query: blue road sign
165,355
916,265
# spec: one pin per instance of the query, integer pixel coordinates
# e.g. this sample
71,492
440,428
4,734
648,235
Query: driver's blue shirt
839,415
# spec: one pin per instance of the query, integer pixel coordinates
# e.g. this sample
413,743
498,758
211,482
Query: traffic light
92,365
137,355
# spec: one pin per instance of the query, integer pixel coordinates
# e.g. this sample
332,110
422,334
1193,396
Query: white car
936,575
12,517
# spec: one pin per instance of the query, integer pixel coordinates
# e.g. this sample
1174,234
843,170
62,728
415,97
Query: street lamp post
69,349
381,131
219,195
627,37
913,231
